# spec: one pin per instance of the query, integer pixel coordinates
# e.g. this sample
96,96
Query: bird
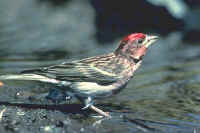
94,78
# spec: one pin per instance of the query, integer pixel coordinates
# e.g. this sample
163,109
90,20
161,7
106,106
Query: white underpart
90,87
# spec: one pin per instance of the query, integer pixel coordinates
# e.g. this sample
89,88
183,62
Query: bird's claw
88,102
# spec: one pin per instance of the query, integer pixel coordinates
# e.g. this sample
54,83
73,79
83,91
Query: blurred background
57,29
35,33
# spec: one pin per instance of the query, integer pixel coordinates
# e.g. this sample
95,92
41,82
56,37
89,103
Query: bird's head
134,46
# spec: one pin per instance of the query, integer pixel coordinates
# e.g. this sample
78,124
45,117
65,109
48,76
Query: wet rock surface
163,96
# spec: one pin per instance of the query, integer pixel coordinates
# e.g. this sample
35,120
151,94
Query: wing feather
76,72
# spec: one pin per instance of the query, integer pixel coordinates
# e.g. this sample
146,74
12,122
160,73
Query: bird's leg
89,104
106,114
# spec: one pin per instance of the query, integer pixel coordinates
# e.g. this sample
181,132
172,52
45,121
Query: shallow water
163,96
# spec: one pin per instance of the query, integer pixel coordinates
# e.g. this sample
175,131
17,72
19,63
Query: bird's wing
76,72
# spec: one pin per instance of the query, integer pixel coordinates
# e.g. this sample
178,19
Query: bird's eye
140,41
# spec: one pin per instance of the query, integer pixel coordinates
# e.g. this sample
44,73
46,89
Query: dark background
163,96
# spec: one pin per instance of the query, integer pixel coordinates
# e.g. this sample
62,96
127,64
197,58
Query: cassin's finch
96,77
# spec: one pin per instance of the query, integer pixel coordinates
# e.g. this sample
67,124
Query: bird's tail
30,77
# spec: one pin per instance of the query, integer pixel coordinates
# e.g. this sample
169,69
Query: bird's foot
89,104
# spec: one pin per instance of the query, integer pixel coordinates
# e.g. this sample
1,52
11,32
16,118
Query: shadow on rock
65,108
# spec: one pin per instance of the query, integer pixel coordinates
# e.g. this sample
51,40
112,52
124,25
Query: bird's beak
150,40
